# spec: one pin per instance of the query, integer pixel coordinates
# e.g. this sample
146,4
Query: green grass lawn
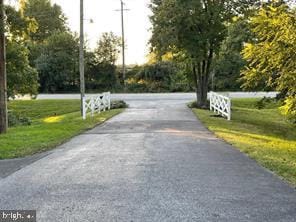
263,134
53,122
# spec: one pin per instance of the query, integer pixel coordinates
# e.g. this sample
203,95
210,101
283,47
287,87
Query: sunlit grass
265,135
51,126
53,119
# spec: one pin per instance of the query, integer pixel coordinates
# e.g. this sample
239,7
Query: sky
106,19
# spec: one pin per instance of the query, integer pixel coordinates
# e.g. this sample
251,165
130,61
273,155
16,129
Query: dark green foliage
196,29
101,72
101,77
229,62
21,77
49,18
179,82
118,104
158,72
267,103
58,64
58,67
260,104
18,27
158,77
132,71
108,48
17,120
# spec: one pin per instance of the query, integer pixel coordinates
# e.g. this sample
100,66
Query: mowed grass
264,135
53,122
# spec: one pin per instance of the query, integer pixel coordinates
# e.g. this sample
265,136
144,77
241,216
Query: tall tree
3,84
272,58
21,77
58,64
229,62
196,28
49,18
19,27
101,73
99,76
108,48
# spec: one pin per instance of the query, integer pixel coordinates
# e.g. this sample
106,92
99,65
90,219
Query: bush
135,86
267,103
16,120
118,104
289,108
260,104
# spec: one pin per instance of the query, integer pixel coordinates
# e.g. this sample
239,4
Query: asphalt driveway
154,162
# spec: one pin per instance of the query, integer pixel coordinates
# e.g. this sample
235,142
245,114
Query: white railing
96,103
220,104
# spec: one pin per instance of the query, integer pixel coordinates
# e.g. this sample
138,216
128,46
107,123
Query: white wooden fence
220,104
96,103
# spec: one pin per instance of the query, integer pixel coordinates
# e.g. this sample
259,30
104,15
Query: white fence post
229,108
96,103
92,105
211,101
104,101
109,100
83,108
220,104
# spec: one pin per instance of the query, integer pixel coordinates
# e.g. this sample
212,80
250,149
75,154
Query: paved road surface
161,96
154,162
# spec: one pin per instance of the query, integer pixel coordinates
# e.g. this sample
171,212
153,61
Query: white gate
96,103
220,104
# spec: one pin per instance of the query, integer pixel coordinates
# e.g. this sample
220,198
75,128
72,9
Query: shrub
118,104
259,104
16,120
289,108
267,103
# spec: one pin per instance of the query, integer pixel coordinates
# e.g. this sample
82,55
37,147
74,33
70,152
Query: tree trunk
202,91
3,85
195,79
202,78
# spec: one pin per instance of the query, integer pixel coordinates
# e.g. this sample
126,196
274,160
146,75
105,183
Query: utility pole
81,56
123,44
123,40
3,84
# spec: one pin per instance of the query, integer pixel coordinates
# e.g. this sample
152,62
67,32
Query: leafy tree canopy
108,48
21,77
49,18
229,62
58,64
18,27
272,58
195,28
